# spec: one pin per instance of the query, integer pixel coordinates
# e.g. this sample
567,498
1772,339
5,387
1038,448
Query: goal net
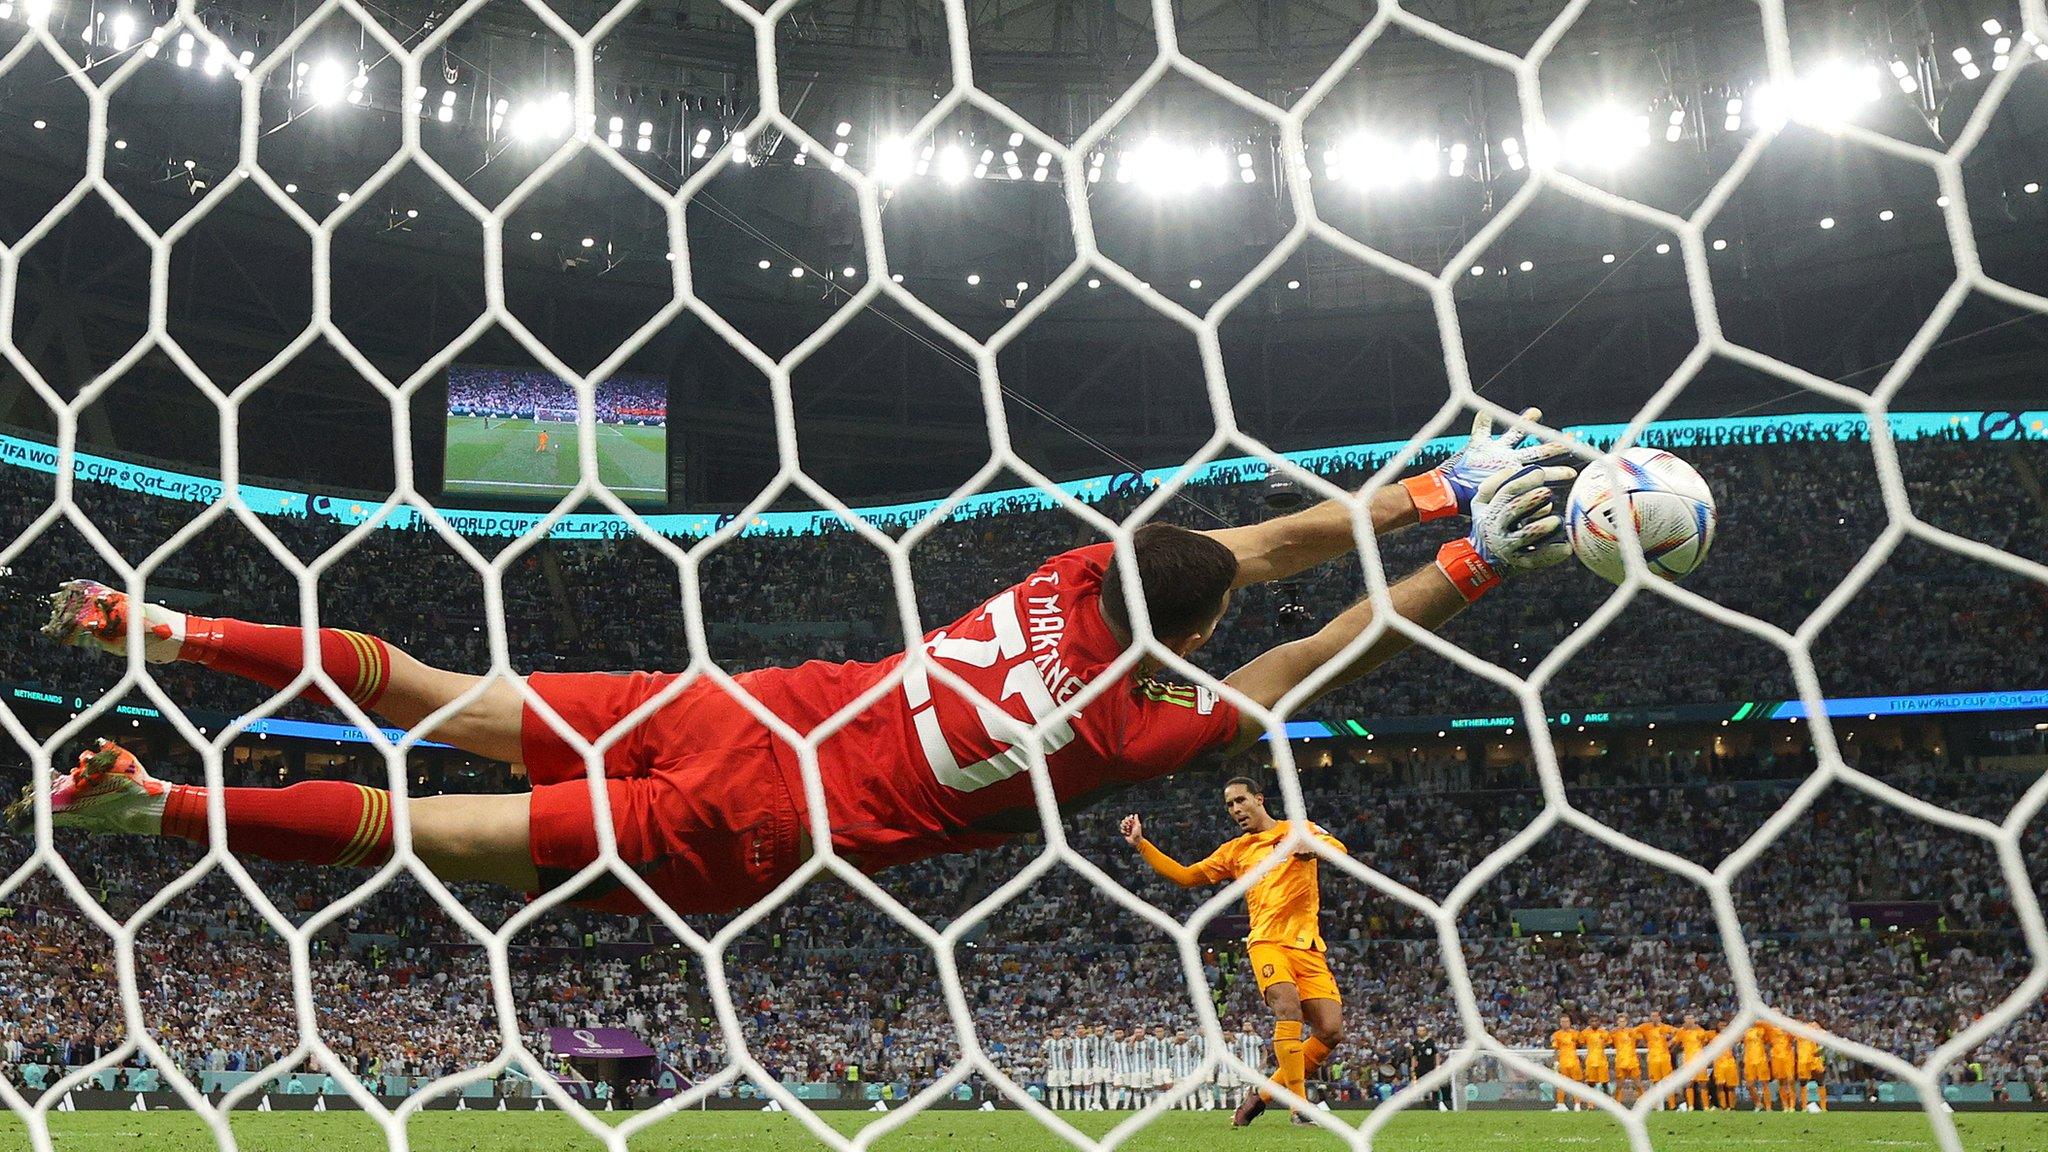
1477,1065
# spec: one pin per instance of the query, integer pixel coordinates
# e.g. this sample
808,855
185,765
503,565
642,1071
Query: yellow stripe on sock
380,669
380,813
379,818
362,646
364,826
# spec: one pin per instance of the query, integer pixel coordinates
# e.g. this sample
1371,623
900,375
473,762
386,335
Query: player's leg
1323,1018
377,676
1322,1009
479,837
1281,996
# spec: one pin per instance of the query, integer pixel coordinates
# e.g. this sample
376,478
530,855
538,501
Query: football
1672,507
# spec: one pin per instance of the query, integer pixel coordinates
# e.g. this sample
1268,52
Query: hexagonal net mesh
584,137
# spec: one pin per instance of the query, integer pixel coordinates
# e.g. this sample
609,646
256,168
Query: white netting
1089,261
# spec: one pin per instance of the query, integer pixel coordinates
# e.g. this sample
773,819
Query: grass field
1015,1132
501,461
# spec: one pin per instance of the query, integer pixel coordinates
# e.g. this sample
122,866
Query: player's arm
1515,528
1283,547
1207,871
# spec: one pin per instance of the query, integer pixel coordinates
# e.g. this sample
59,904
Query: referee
1422,1060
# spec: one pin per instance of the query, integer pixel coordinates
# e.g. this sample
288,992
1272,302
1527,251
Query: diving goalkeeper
708,805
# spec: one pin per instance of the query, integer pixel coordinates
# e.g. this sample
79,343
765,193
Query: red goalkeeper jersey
923,770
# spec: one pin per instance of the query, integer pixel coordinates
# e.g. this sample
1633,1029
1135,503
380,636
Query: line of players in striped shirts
1775,1065
1095,1068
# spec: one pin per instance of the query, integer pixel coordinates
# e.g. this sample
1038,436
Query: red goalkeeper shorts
699,805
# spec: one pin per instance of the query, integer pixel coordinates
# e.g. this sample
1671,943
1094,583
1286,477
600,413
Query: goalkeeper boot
88,614
109,791
1254,1105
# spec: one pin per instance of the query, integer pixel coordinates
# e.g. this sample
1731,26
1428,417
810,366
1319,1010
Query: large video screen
512,435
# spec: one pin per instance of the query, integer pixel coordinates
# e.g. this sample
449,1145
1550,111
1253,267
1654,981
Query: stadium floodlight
1293,284
952,164
1370,162
973,278
1832,94
542,119
1885,215
122,30
1479,270
893,160
1720,245
1195,284
1094,282
796,273
849,270
1457,165
1607,258
1165,168
1512,149
535,237
765,265
1528,266
1993,27
1606,137
981,171
36,11
839,149
1827,222
589,242
1016,139
843,128
326,82
1663,249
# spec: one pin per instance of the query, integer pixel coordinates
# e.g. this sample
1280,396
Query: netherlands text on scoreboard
352,510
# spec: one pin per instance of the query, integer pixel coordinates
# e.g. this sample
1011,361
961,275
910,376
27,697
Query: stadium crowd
474,390
829,989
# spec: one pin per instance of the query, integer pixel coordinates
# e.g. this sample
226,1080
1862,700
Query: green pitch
503,459
1015,1132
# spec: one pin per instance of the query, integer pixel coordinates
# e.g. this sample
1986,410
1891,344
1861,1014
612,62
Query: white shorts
1056,1079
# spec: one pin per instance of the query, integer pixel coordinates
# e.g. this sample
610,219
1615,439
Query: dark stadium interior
1579,310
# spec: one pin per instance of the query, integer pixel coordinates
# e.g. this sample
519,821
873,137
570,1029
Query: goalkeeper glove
1449,488
1515,529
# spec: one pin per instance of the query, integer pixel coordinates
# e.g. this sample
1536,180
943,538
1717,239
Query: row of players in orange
1774,1063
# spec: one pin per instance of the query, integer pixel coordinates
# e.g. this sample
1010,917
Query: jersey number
1011,735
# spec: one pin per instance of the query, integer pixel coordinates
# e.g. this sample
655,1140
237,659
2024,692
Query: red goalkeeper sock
316,822
274,655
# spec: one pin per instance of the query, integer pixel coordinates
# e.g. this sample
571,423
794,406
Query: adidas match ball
1673,511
